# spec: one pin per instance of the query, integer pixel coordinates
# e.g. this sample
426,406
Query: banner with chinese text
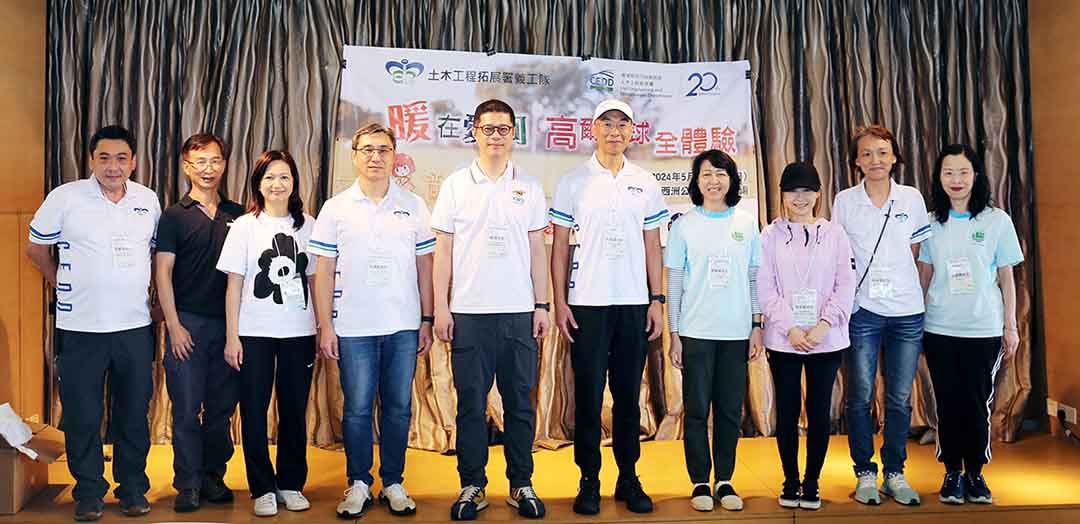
427,98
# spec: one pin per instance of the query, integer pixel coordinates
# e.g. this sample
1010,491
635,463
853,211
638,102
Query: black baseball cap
800,175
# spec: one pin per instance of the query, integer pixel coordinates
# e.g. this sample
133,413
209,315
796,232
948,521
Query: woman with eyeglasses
806,286
966,271
270,329
712,256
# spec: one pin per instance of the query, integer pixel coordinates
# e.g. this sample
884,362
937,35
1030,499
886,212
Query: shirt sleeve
562,206
45,227
675,252
920,221
233,257
675,293
774,306
926,253
425,237
656,214
1008,251
155,206
166,233
324,241
304,238
442,216
837,310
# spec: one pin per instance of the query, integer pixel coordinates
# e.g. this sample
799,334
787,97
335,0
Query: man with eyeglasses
608,301
373,244
103,229
491,304
192,296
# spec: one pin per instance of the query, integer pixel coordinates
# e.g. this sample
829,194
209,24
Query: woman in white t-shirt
270,328
966,271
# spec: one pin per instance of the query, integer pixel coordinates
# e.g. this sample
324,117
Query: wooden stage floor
1036,480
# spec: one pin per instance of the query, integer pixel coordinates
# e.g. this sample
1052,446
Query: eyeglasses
490,130
621,126
370,151
202,164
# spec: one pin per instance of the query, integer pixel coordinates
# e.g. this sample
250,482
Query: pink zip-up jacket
787,250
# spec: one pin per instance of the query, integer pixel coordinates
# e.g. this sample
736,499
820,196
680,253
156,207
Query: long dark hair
719,160
980,189
258,202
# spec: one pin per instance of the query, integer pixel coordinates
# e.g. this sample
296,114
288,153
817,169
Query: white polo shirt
490,221
269,253
608,214
891,286
376,245
103,277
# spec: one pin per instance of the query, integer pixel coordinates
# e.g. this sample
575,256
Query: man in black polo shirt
192,296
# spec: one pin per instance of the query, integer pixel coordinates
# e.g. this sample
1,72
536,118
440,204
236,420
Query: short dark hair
200,141
719,160
980,189
258,201
371,129
493,106
113,132
876,131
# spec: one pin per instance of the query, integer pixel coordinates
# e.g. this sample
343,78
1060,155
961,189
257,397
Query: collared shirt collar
479,177
864,197
101,191
597,168
392,193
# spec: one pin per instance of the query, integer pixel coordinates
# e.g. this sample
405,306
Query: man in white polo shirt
615,303
491,303
373,298
103,227
885,222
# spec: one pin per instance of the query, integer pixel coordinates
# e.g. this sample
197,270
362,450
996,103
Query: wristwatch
546,306
659,298
427,318
757,324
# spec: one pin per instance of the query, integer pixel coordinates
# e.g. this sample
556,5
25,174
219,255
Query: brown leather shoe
135,507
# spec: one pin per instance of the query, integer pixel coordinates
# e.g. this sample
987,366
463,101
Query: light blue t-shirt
716,251
969,307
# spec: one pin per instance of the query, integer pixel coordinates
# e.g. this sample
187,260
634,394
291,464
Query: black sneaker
135,506
976,490
629,490
527,503
810,497
789,496
186,501
952,488
469,504
87,510
587,501
215,491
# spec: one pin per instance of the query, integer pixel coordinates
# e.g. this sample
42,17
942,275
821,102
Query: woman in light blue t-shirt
966,271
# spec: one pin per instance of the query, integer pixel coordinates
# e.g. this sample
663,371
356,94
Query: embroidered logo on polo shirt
140,210
978,237
738,236
635,190
401,214
902,217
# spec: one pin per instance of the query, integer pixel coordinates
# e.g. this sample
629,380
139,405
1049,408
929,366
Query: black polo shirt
196,240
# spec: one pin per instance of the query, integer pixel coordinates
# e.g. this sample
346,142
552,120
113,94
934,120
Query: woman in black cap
806,287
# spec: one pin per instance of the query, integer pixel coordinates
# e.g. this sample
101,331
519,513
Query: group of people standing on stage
252,297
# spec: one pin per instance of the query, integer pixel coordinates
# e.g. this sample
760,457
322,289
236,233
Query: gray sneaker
897,487
866,491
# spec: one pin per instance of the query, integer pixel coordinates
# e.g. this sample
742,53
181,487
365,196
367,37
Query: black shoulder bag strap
881,233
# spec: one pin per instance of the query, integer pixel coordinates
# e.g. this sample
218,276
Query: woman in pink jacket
806,288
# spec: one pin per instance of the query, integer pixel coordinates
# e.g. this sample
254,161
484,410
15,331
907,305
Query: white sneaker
395,498
293,500
701,498
357,501
266,505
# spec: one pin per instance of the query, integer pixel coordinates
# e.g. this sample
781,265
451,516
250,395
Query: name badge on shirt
292,292
719,271
881,282
123,252
498,240
804,310
961,278
614,243
380,270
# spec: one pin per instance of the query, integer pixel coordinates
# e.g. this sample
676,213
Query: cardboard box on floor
20,477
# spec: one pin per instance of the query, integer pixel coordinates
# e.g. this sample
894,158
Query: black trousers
85,359
714,376
283,365
496,347
787,371
963,372
609,346
203,392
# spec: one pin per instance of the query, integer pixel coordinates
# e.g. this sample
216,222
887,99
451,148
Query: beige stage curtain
265,74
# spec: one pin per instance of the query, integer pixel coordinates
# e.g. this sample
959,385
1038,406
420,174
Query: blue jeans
900,340
385,363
